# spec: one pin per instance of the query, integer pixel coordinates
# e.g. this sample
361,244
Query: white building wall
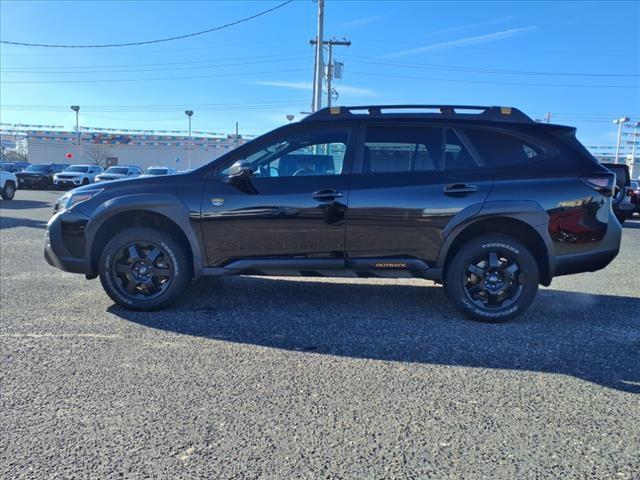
142,156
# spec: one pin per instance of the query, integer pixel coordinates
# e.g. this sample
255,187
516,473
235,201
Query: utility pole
548,117
319,65
189,113
634,144
76,108
330,64
620,122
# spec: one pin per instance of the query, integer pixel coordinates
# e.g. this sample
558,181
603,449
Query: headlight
71,199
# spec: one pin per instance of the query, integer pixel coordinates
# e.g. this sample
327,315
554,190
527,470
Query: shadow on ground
11,222
15,204
592,337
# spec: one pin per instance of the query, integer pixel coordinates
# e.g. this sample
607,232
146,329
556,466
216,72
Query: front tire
144,269
492,278
8,191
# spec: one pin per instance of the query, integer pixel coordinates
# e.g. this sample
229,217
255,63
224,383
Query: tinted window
301,154
38,168
402,149
499,149
118,170
456,153
77,169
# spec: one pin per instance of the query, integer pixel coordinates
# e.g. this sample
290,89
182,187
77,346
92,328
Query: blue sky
538,56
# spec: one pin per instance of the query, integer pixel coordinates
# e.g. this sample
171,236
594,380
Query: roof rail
497,114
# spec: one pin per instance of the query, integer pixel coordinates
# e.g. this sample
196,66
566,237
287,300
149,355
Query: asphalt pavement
312,378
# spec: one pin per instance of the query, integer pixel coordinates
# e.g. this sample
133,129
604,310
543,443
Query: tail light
604,183
629,192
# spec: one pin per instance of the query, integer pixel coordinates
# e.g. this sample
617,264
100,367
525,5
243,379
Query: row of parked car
626,199
58,175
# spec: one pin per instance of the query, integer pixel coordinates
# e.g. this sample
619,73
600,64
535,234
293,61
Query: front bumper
32,181
67,182
64,246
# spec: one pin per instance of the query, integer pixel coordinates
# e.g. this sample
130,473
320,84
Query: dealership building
108,147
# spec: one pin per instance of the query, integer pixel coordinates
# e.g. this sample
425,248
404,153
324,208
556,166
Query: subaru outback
483,200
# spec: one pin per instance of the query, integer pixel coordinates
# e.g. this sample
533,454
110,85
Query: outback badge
217,202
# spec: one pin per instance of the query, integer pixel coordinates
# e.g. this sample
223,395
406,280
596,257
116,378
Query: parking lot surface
312,378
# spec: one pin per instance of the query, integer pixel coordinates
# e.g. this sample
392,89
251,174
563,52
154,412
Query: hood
31,174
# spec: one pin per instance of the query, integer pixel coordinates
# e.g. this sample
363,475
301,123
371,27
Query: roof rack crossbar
492,113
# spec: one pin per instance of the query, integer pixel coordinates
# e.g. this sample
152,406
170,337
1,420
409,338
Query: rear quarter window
501,149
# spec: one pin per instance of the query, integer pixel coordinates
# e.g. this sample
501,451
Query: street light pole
189,113
620,122
76,108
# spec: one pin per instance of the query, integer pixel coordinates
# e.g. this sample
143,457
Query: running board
334,267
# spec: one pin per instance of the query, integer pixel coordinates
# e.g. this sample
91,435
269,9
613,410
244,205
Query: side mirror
241,170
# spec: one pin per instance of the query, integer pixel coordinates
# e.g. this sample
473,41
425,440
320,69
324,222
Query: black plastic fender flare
165,204
527,211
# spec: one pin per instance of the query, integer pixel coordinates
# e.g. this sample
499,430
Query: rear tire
8,191
144,269
492,278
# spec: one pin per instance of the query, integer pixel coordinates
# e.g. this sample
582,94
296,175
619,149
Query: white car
76,175
154,171
8,185
118,172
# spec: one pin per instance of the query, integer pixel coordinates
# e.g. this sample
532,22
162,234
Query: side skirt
305,267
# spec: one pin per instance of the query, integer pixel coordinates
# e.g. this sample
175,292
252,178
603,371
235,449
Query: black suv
481,199
39,175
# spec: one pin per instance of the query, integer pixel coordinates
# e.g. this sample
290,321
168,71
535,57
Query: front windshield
155,171
37,168
77,168
118,170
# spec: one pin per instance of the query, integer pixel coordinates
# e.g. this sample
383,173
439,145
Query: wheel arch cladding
161,212
516,227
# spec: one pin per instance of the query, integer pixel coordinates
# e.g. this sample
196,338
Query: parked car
39,175
635,196
153,171
8,184
622,206
14,167
76,175
119,172
483,200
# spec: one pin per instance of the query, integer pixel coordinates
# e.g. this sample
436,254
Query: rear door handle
326,194
459,189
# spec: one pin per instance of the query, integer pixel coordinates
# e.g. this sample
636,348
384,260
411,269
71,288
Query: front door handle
459,189
327,194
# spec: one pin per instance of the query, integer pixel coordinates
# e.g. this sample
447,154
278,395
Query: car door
292,206
409,181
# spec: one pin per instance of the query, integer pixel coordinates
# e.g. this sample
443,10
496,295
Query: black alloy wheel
493,280
142,270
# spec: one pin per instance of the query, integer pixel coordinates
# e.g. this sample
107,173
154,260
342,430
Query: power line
376,74
153,108
148,42
125,80
457,68
127,65
163,69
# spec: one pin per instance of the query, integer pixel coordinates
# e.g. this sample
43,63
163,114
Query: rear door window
402,149
457,155
499,149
